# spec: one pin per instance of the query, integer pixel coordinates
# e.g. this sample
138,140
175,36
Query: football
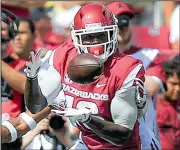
85,68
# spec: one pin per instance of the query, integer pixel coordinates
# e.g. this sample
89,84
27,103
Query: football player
152,62
105,111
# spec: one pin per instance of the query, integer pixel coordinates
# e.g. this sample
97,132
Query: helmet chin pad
96,50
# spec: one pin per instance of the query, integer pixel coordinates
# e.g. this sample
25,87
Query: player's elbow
152,87
152,90
31,109
123,139
35,103
36,108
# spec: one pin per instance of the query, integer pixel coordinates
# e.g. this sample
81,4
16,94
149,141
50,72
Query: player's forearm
34,99
20,126
115,134
14,78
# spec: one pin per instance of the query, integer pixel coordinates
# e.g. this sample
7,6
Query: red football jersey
98,95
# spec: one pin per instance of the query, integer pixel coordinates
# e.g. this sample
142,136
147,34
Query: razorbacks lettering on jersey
11,99
97,96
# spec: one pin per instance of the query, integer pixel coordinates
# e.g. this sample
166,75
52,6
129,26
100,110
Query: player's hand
36,61
80,115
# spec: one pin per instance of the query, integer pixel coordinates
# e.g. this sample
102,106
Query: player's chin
175,97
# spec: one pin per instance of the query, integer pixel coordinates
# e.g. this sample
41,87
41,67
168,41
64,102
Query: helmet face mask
106,26
109,45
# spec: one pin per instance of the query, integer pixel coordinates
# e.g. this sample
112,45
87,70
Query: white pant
79,145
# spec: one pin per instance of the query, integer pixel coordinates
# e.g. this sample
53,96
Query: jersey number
82,104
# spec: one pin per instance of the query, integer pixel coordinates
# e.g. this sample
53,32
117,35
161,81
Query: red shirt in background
168,117
12,101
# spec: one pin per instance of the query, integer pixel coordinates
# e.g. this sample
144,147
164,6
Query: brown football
85,68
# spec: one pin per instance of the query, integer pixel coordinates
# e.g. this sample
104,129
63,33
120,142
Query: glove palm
80,115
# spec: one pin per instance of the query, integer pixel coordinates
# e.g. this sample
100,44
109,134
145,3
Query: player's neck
123,48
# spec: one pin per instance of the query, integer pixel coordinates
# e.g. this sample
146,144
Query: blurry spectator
43,24
174,29
168,107
13,78
11,99
45,36
20,8
42,19
23,43
152,62
11,91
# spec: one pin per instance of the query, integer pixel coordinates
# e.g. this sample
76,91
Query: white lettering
83,94
73,90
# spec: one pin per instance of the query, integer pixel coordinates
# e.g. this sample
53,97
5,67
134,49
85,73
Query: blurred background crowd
47,24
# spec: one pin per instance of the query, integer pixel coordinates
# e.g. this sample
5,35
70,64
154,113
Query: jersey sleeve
123,107
49,80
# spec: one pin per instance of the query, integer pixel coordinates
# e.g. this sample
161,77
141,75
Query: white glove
37,61
80,115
